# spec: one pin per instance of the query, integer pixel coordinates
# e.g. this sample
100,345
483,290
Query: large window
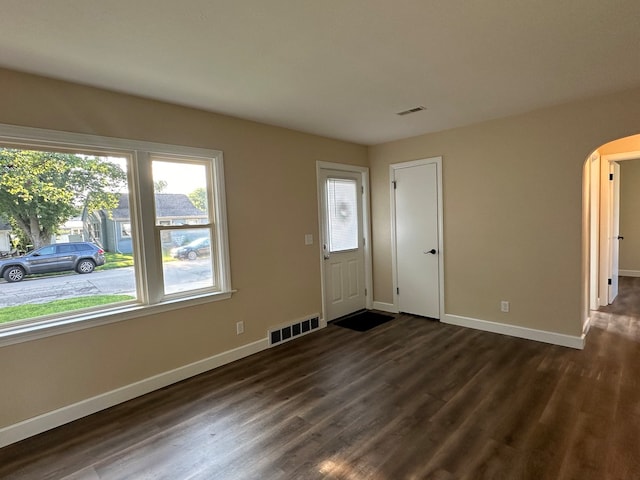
103,227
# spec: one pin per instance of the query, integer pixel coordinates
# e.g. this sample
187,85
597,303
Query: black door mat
363,321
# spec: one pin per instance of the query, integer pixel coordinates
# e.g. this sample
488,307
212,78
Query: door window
342,210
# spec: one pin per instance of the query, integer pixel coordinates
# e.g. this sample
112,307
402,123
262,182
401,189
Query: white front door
417,237
342,242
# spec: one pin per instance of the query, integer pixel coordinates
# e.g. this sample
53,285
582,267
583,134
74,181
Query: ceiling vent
411,110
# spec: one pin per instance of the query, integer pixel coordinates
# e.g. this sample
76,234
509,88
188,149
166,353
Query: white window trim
29,137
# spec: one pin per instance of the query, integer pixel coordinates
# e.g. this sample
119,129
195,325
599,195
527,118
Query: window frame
211,224
147,249
124,233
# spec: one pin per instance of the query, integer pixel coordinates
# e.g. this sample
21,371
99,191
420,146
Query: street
179,276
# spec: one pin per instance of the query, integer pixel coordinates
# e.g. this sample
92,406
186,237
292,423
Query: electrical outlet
504,306
239,328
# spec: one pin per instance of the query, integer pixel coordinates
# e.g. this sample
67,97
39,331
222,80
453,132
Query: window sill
48,328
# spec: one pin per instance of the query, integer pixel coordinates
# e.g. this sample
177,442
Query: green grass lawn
119,260
20,312
116,260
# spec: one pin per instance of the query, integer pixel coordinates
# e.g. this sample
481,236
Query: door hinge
398,291
609,282
364,242
395,184
362,189
365,292
611,176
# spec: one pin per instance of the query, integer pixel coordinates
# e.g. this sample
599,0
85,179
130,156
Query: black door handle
620,238
433,251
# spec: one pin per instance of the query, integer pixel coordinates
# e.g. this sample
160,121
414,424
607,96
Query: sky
180,177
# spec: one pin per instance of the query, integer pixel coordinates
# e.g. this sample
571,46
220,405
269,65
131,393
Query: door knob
433,251
620,237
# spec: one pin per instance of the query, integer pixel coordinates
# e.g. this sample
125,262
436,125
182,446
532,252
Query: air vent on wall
412,110
290,331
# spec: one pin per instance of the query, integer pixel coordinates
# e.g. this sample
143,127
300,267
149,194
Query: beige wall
512,210
629,217
272,203
512,203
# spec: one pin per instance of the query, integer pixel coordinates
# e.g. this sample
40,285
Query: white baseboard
33,426
385,307
629,273
516,331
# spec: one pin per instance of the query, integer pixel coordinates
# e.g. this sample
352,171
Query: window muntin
141,241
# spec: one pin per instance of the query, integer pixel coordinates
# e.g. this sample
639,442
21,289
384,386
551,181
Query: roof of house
168,205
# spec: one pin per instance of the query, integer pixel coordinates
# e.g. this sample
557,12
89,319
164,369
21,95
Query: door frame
366,228
594,229
605,219
394,254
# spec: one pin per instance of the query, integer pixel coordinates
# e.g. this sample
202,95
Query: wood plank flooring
411,399
628,300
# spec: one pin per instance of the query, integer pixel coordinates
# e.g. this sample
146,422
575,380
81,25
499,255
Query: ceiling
338,68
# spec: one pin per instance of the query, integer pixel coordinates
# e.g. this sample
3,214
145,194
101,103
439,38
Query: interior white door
417,239
342,242
614,230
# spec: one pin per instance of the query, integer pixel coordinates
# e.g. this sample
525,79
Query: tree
159,186
199,198
39,191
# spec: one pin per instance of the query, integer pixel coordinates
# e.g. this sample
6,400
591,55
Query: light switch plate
308,239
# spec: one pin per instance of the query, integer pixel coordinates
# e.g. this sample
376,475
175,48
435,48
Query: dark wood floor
628,300
411,399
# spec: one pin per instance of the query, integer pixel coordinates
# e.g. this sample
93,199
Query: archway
609,166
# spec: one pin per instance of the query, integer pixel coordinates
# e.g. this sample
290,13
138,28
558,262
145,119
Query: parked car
198,248
83,257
